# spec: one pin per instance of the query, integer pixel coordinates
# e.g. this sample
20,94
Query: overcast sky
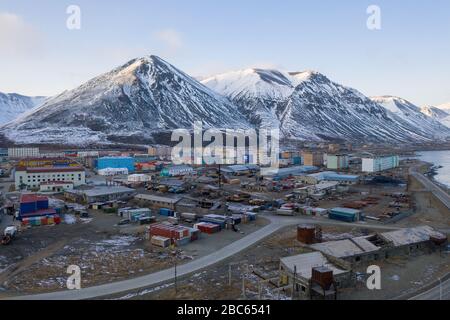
408,57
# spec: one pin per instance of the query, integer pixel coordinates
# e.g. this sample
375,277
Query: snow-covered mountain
434,112
145,99
428,119
440,113
445,107
12,105
308,105
146,96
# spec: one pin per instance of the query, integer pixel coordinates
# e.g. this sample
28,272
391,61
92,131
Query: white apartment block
32,178
377,164
23,152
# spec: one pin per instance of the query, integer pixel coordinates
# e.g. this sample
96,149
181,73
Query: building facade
55,186
32,178
337,161
312,159
377,164
116,163
23,152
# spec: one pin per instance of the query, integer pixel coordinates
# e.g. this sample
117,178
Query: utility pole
440,288
175,269
293,282
220,176
229,274
243,284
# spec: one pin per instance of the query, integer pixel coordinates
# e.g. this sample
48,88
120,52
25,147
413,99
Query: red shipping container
168,231
208,228
57,219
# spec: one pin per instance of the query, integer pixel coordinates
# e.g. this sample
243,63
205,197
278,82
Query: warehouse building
115,163
109,172
176,171
157,202
139,178
377,164
378,246
316,178
337,161
282,173
100,194
31,178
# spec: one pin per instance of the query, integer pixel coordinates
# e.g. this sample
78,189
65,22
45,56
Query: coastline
431,172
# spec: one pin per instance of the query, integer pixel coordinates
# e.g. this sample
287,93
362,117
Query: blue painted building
116,163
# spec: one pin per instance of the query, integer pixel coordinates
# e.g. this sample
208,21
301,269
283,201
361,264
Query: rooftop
346,210
27,198
409,236
50,169
150,197
306,261
345,248
331,175
103,191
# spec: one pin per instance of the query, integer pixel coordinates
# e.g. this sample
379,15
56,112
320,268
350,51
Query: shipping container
208,228
160,241
285,212
166,212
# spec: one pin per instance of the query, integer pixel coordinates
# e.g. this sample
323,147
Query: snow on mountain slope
444,106
257,92
307,105
145,96
425,119
12,105
434,112
325,109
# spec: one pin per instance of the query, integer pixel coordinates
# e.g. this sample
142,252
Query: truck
285,212
9,234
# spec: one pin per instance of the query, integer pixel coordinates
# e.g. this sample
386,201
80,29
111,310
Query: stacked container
169,231
208,228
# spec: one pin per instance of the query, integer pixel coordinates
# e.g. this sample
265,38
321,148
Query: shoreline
432,173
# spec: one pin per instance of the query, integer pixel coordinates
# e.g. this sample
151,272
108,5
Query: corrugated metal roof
150,197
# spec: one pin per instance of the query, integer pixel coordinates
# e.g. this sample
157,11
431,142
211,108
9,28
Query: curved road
156,278
440,292
443,196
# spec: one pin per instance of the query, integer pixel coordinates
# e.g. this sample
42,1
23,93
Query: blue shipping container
42,204
342,216
166,212
27,207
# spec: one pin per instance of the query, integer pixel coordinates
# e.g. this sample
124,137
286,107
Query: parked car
124,222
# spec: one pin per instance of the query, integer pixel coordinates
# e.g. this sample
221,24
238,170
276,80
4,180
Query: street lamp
175,254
